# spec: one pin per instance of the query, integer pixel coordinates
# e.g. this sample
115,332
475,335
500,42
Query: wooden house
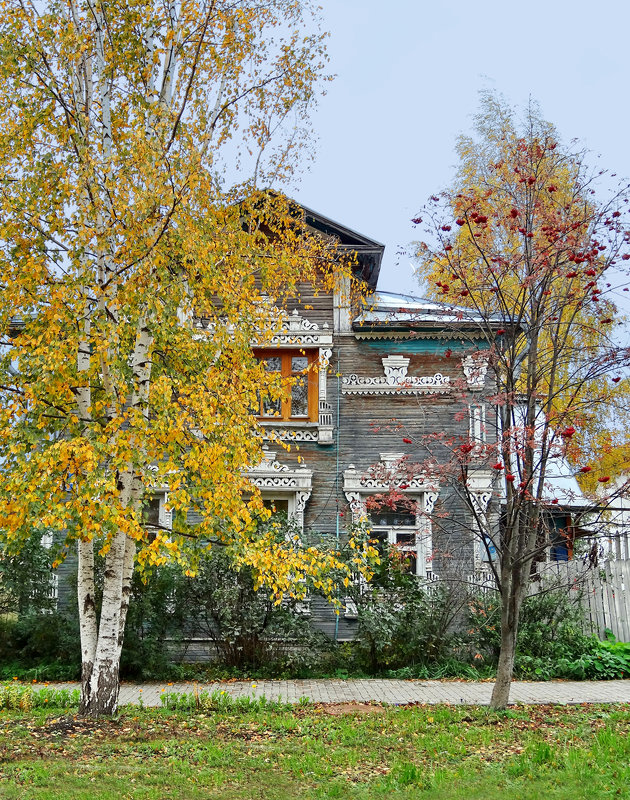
389,388
385,392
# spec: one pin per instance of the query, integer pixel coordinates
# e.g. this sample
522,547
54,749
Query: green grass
540,752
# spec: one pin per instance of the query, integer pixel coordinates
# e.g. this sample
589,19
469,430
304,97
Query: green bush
46,637
153,622
25,578
550,632
404,624
40,671
605,661
248,630
40,647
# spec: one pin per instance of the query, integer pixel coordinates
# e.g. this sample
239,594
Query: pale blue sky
408,76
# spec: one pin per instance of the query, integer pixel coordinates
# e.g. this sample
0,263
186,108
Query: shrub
154,623
550,633
404,623
248,630
40,647
25,579
605,661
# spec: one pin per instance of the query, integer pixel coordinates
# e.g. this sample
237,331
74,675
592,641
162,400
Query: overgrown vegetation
405,629
407,626
551,643
249,633
25,578
40,646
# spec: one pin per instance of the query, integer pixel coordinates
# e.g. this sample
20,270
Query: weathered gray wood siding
368,425
315,306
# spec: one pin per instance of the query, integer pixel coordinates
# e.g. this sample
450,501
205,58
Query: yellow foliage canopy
135,275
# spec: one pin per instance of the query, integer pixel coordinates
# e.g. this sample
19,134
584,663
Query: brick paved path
395,692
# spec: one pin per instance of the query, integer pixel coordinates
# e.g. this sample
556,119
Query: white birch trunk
102,639
100,693
87,611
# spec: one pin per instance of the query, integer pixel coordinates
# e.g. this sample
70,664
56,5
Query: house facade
384,391
389,418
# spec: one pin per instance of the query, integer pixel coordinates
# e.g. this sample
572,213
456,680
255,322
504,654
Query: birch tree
526,243
132,140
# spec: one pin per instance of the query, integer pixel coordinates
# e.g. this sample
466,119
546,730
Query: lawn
355,751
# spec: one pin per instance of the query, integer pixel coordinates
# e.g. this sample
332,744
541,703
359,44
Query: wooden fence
604,592
605,596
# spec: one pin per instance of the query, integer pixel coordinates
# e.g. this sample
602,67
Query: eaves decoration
396,381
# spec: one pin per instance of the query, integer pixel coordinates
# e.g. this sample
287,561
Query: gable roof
368,251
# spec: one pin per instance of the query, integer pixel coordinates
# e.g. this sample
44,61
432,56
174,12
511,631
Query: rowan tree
524,242
136,263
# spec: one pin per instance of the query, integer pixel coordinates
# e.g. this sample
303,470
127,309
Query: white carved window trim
47,542
357,487
165,516
276,480
480,493
477,427
475,368
297,332
396,381
423,544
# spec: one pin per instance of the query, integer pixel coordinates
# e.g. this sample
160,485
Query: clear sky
408,73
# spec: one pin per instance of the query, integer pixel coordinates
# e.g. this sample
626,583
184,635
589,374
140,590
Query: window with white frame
400,528
487,549
299,354
285,507
477,429
406,525
277,504
52,589
283,488
155,515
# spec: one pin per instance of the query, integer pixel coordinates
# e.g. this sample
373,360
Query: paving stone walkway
394,692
